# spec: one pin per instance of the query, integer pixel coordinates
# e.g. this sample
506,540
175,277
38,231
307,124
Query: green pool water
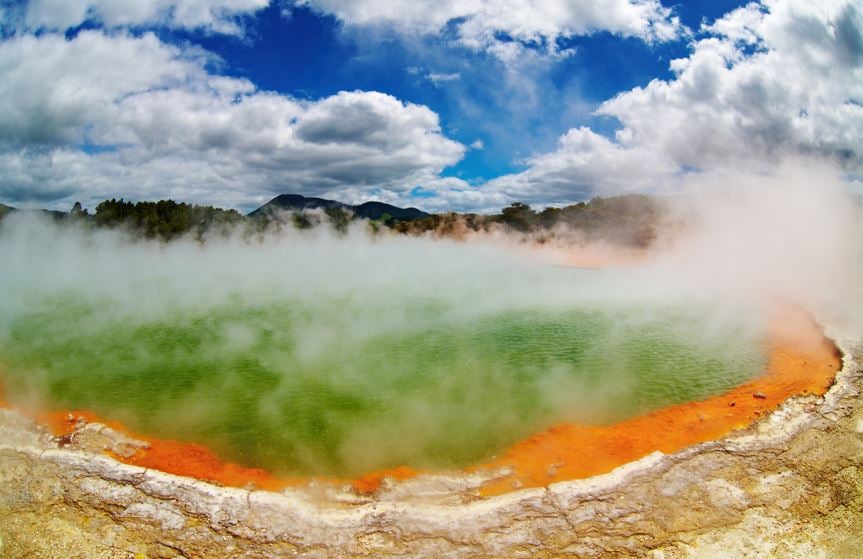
342,384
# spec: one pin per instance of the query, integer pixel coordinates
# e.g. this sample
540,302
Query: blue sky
309,55
446,105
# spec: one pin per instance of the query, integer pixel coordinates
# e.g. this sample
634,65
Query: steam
369,325
795,236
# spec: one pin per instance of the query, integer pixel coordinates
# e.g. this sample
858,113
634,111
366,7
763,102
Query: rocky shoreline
791,485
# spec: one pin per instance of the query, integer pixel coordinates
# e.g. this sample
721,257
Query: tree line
164,219
630,219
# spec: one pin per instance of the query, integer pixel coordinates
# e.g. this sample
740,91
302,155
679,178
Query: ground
789,486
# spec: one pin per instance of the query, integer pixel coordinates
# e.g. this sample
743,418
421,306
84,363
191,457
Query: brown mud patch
801,360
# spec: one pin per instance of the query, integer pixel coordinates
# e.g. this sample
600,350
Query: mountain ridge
369,210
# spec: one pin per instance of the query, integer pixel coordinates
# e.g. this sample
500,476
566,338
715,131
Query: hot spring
318,355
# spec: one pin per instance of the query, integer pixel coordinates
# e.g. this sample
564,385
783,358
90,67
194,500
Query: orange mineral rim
800,360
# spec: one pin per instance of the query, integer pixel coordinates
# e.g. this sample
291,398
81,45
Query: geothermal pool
436,391
336,357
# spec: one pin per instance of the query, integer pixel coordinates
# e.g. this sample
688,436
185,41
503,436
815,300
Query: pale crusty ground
790,486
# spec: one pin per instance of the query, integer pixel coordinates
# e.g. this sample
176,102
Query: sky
463,105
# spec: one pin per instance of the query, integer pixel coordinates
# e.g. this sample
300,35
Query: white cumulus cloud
214,15
97,115
479,23
766,83
108,113
54,88
586,164
780,79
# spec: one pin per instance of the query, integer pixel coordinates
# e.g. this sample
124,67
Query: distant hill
296,202
376,210
368,210
53,214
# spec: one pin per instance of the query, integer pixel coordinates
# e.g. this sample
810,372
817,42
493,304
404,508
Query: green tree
519,216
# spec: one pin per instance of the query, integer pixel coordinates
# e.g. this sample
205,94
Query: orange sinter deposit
801,361
594,256
173,457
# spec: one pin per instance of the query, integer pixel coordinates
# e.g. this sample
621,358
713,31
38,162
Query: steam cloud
739,243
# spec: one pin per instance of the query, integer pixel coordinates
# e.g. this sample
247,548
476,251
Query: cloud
586,164
213,15
97,115
769,81
482,24
53,88
440,78
105,113
764,84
